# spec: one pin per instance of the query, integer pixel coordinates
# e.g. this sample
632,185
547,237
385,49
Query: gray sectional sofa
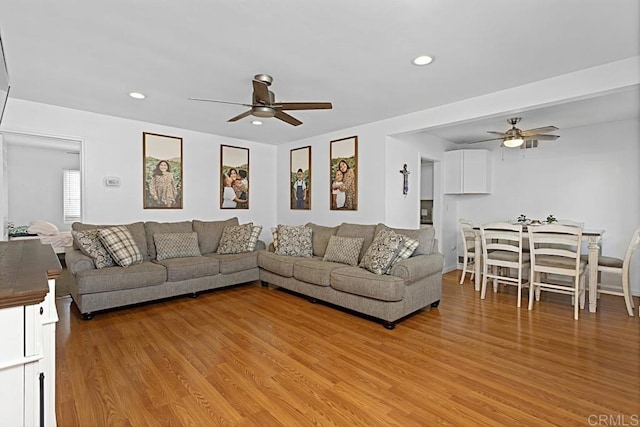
98,289
413,284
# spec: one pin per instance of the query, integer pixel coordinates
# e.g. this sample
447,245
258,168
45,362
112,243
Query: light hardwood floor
254,356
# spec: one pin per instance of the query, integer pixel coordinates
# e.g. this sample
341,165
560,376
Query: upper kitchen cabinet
467,172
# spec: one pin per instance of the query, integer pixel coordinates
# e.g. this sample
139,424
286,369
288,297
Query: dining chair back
468,245
619,267
502,253
555,251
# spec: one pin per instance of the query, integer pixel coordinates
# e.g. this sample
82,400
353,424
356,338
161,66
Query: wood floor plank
254,356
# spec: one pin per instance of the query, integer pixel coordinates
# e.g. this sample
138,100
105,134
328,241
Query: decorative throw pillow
294,241
89,244
345,250
120,245
253,238
235,238
274,233
176,245
381,252
407,248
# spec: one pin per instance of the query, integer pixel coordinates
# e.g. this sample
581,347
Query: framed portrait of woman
234,179
343,173
162,171
300,178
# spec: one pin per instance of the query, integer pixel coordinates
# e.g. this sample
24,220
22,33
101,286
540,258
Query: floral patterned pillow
295,241
382,251
235,239
90,245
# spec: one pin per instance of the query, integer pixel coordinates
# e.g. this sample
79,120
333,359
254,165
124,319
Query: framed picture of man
300,178
162,171
234,179
344,174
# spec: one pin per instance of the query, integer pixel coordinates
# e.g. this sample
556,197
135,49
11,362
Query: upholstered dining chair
555,251
469,247
502,252
619,267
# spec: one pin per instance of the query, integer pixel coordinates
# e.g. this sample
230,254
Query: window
71,195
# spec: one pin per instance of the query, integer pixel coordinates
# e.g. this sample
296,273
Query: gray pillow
365,231
210,232
382,252
345,250
295,241
89,244
152,227
176,245
121,246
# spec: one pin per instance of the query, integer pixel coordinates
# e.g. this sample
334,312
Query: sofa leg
87,316
313,300
389,325
435,304
264,284
194,295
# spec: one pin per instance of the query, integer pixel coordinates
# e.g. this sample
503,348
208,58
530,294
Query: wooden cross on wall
405,179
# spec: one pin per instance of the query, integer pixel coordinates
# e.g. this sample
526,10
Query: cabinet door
11,370
453,172
475,164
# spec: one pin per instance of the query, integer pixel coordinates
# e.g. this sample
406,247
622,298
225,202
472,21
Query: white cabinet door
467,172
11,366
453,172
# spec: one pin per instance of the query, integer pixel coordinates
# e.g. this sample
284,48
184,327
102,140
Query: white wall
4,190
426,181
113,147
35,183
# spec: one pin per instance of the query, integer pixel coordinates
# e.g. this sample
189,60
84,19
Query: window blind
71,194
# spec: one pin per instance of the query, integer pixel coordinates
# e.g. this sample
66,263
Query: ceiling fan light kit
515,137
264,103
513,142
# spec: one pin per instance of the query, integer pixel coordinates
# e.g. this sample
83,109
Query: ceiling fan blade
220,102
303,106
484,140
502,134
287,118
240,116
535,131
542,137
261,92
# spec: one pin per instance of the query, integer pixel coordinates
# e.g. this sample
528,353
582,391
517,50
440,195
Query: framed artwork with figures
162,171
300,178
343,172
234,177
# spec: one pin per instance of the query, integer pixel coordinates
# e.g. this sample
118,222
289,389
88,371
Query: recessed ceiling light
256,122
137,95
422,60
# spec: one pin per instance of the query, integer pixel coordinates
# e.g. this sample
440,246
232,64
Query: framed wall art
300,178
234,180
344,174
162,171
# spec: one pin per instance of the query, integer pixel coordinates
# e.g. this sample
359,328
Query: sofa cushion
345,250
210,232
320,237
232,263
90,245
189,268
382,251
152,227
235,239
119,278
295,241
366,232
136,229
176,245
120,245
358,281
278,264
426,237
315,271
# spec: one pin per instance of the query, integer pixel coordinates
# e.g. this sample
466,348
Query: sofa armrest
418,267
77,261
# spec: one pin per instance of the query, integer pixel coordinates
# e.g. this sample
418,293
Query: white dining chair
468,235
555,251
620,268
502,252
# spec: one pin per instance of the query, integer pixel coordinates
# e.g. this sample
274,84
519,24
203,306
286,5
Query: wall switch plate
112,181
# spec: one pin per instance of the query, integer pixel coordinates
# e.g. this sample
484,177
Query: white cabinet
467,172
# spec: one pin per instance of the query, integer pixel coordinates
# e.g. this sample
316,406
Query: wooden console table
28,319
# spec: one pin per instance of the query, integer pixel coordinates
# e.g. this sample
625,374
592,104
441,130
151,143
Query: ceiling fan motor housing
263,111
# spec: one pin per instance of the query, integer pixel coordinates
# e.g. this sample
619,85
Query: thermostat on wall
112,181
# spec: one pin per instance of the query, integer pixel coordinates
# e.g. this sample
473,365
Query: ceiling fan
515,137
263,103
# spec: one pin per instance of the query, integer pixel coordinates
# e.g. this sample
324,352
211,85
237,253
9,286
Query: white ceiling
89,55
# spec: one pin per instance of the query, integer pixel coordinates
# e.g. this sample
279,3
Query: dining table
593,238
